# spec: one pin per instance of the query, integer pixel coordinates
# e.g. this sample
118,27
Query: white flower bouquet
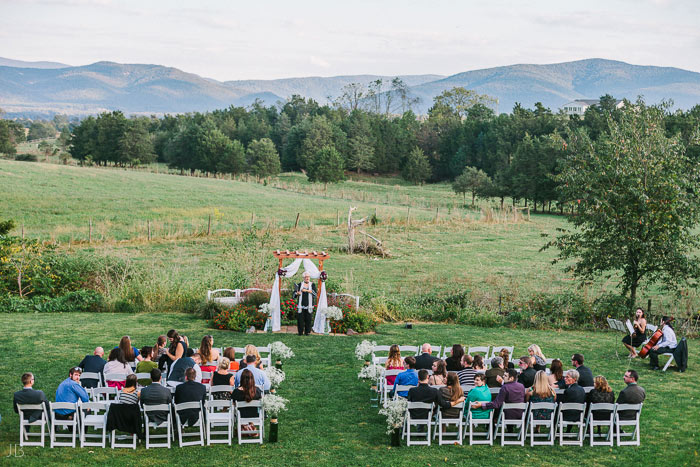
265,308
274,404
275,375
395,412
370,372
281,351
334,313
363,349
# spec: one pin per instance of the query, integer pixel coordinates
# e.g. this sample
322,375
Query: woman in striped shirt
129,395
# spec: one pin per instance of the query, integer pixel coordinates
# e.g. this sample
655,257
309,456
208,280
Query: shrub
357,320
26,158
81,301
239,318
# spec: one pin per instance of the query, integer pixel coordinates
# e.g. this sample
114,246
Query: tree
636,195
135,145
416,169
327,167
233,160
459,100
474,180
11,133
263,158
40,130
47,148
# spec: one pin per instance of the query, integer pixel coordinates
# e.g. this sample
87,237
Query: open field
329,421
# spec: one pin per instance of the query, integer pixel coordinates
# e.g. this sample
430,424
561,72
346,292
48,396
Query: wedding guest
424,393
247,391
222,377
505,355
467,373
131,353
116,365
230,353
161,352
556,375
178,346
190,391
177,372
209,356
146,365
479,393
602,393
425,360
408,377
512,392
439,376
573,393
527,372
129,394
94,363
393,362
541,391
585,377
71,391
261,378
494,375
156,394
250,349
28,395
453,393
454,361
478,363
540,360
632,394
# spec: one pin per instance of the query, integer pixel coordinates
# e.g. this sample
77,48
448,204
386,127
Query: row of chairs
215,424
586,425
440,351
264,351
111,394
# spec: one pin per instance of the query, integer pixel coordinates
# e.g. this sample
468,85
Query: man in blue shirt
70,390
408,377
260,376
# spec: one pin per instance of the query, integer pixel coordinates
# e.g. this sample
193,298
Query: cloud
319,62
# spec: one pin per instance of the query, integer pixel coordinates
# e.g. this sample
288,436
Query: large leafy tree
474,180
637,199
263,158
416,169
327,167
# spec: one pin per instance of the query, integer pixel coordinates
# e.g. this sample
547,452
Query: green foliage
6,226
11,134
473,180
26,158
327,166
416,169
239,318
263,158
40,130
83,301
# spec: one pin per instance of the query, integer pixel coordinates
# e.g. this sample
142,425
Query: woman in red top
394,362
209,356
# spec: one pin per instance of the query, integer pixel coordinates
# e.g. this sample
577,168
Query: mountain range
33,89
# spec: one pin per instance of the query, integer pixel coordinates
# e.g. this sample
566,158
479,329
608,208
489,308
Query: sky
263,39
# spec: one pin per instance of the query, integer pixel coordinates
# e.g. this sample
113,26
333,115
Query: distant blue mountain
146,89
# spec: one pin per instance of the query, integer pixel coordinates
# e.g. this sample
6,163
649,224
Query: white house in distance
579,106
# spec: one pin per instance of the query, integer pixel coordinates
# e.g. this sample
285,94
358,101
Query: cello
653,340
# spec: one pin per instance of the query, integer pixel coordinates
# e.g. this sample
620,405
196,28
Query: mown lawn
329,421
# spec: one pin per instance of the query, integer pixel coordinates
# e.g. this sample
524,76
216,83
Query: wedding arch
300,258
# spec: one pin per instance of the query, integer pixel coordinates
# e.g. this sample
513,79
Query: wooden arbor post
281,255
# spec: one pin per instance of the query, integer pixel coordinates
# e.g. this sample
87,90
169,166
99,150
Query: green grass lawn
329,421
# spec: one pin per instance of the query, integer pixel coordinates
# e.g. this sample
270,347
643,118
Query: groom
305,292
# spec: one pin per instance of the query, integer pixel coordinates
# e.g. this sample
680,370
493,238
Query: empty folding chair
219,414
265,355
182,424
32,415
470,423
504,422
70,424
600,415
258,422
548,423
91,380
627,415
443,422
573,409
380,360
219,389
409,349
118,378
93,415
481,350
104,394
418,422
379,348
156,417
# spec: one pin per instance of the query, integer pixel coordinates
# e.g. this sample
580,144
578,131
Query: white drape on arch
310,267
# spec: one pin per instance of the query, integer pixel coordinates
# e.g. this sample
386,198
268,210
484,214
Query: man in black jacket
94,363
156,394
573,393
305,292
585,375
28,395
425,360
190,391
632,394
424,393
527,372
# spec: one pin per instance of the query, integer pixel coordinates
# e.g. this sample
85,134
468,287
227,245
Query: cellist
667,344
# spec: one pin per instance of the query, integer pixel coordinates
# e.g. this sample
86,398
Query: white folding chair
504,422
25,425
668,362
258,422
380,360
91,376
265,359
449,437
219,388
104,394
409,349
379,348
181,433
72,424
118,377
496,349
470,423
592,424
240,350
93,415
545,423
206,376
435,349
619,423
384,387
143,376
482,350
150,424
571,439
219,414
416,422
401,388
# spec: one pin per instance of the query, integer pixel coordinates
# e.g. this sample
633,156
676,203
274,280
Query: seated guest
467,373
250,349
209,356
453,393
129,394
146,365
70,390
527,372
223,378
230,353
667,344
632,394
454,361
639,325
556,376
156,394
247,391
393,362
116,365
478,363
505,355
408,377
494,375
424,393
178,346
602,393
541,391
439,376
131,354
512,392
260,376
160,352
92,364
190,391
585,375
573,393
536,353
197,357
479,393
178,369
425,360
28,395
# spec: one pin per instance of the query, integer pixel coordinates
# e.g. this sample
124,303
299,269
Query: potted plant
332,313
280,351
395,412
273,405
276,376
372,373
363,351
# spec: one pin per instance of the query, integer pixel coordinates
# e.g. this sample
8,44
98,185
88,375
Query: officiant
305,293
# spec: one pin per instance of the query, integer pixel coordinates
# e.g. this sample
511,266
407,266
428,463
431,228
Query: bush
357,320
81,301
26,158
239,318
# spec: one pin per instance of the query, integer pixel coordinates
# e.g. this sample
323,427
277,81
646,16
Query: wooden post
209,225
252,219
280,281
148,226
296,222
648,306
337,217
320,268
408,216
90,230
437,214
22,231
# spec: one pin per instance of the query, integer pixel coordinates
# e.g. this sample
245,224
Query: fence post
437,214
148,224
337,217
90,230
297,221
252,218
209,226
649,306
22,231
408,216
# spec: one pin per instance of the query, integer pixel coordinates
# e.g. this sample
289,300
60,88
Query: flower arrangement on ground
265,308
274,404
364,349
275,376
281,351
333,313
370,372
395,412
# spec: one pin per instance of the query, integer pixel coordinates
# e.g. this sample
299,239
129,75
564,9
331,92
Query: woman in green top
480,393
146,365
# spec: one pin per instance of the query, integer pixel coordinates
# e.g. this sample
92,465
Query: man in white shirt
260,376
667,344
